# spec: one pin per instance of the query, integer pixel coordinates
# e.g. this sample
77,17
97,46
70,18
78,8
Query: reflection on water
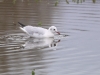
33,43
29,43
76,54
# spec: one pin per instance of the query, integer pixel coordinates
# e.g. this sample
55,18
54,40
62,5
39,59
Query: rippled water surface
76,54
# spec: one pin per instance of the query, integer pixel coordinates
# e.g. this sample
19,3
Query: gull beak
58,33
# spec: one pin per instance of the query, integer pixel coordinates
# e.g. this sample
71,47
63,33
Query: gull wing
34,30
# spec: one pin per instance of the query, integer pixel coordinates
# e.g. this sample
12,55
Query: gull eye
54,29
54,44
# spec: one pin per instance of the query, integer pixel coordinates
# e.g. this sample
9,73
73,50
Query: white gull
39,32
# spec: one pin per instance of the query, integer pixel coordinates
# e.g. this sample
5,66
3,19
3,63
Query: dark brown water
76,54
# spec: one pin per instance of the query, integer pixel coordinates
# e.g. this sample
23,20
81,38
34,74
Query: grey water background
76,54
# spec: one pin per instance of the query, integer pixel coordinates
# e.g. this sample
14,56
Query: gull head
53,29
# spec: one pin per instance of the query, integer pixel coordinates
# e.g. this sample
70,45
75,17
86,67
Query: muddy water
76,54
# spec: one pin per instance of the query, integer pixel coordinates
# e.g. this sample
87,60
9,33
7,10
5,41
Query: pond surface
76,54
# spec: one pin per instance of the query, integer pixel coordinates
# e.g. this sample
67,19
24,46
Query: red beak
58,33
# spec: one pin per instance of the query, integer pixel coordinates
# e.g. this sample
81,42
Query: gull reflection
33,43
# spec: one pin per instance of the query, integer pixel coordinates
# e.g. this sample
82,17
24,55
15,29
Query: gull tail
22,25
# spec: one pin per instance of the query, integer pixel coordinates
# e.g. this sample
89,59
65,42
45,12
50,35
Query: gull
39,32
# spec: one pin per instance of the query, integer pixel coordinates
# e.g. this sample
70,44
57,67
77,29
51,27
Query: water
76,54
